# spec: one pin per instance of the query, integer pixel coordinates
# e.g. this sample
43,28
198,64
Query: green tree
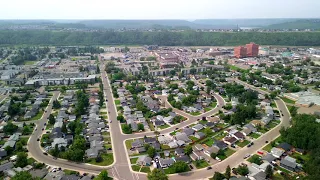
180,167
19,146
227,174
120,118
23,175
126,128
10,128
213,155
188,149
103,175
157,174
64,128
22,160
269,172
26,130
151,152
56,104
140,127
217,176
243,170
52,120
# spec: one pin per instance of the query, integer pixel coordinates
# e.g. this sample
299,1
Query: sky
158,9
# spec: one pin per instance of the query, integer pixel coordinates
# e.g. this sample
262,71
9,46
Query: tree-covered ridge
165,38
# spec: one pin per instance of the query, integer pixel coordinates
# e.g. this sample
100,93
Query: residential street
121,168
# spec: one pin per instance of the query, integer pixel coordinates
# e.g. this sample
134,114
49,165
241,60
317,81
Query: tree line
164,38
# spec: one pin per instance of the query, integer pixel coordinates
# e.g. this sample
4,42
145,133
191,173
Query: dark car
177,128
45,153
38,139
267,141
190,167
208,168
45,123
42,129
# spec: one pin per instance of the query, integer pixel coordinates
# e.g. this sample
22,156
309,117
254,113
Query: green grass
128,143
135,168
286,100
170,170
254,135
193,138
283,170
195,113
203,122
102,112
145,169
278,176
264,89
243,143
29,62
2,142
220,135
273,105
227,152
164,126
49,126
268,147
301,159
117,102
213,104
209,142
133,160
107,160
70,172
251,159
175,132
206,109
38,116
200,164
164,146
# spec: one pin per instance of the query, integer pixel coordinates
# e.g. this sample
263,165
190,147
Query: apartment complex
251,50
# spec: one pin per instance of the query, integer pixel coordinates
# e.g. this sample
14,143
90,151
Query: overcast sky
158,9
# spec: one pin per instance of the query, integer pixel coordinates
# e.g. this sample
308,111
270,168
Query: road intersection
121,168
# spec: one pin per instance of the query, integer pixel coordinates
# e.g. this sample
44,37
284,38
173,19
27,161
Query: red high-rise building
252,50
240,52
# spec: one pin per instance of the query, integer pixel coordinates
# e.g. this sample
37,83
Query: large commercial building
252,50
240,52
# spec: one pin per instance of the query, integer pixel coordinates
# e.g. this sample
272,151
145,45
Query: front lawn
38,116
243,143
117,102
193,138
255,159
254,135
49,126
226,153
200,164
164,146
213,104
286,100
164,126
128,143
135,168
209,142
133,160
171,170
195,113
107,159
145,169
206,109
220,135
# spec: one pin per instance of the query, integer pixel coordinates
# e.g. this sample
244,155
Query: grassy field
200,164
255,156
117,102
107,160
133,160
288,100
243,143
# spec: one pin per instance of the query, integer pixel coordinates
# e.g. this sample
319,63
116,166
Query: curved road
121,169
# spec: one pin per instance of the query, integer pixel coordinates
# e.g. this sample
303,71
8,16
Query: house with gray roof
182,137
197,127
137,143
188,131
61,142
289,163
164,163
144,161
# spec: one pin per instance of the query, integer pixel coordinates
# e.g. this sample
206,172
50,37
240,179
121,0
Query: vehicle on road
110,121
208,168
42,129
267,141
45,153
191,167
38,139
260,152
246,156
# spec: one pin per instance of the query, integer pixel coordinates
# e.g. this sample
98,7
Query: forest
163,38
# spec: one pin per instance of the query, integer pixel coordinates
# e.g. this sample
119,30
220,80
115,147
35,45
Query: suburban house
164,163
144,161
289,163
276,152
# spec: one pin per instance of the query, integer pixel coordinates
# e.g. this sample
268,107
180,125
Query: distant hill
242,22
298,24
146,24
